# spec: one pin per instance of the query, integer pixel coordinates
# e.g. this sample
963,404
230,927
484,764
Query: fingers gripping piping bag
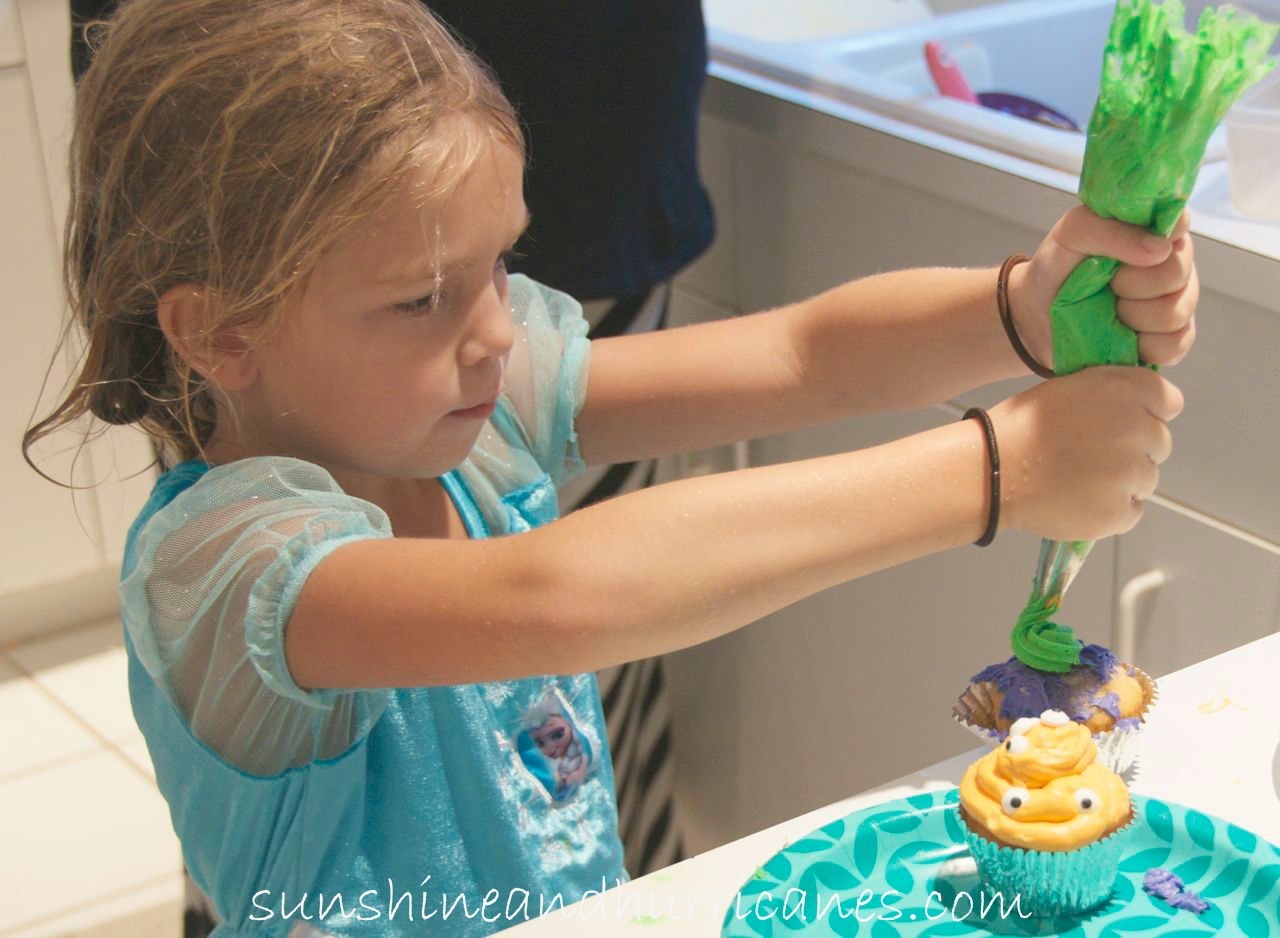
1163,92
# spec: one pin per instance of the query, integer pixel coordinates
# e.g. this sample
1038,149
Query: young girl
287,246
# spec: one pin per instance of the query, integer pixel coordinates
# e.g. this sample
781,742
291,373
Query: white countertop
1212,742
792,72
1212,214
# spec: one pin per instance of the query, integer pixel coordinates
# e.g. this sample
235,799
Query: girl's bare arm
888,342
646,573
674,565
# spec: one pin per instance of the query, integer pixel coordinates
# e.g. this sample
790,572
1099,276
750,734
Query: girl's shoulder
195,501
253,477
251,470
196,484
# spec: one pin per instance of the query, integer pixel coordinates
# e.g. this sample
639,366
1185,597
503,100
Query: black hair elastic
1006,315
993,459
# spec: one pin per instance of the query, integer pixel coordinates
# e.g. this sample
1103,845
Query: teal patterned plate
902,868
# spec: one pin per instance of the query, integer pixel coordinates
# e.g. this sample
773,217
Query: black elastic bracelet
993,458
1006,316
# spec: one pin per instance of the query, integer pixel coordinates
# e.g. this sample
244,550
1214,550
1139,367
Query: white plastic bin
769,21
1253,150
1046,50
1268,10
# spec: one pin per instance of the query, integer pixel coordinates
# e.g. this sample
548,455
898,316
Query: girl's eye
423,305
420,306
507,258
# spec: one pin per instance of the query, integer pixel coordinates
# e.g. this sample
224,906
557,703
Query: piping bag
1163,92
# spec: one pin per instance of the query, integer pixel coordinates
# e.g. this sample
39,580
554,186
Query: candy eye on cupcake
1022,725
1017,745
1013,799
1086,800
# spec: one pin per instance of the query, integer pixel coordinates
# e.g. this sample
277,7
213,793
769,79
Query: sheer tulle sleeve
546,380
211,581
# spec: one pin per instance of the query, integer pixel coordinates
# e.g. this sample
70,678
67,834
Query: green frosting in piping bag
1163,92
1041,644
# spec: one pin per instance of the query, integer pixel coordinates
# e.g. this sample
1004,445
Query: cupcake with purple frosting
1051,670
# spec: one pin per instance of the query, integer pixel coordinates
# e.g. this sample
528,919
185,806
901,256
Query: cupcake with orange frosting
1045,820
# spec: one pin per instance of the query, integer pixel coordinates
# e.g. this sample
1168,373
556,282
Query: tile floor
86,846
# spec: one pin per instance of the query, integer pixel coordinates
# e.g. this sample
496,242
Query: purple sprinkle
1080,711
1190,901
1164,885
1161,883
1110,703
1100,659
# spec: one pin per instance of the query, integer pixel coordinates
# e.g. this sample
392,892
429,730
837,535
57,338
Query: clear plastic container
1268,10
1253,150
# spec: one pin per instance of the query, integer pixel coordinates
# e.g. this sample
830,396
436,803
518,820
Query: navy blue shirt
609,94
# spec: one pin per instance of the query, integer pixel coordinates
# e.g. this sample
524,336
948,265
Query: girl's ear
186,314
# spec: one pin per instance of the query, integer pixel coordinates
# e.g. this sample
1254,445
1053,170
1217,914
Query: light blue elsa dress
388,805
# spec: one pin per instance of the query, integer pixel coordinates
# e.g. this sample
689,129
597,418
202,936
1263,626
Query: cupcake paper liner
976,711
1051,883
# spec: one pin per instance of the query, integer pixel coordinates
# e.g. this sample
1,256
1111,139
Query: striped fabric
639,724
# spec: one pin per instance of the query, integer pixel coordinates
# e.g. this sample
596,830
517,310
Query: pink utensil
946,73
951,83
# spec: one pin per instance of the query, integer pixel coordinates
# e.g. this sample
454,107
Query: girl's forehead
441,164
425,225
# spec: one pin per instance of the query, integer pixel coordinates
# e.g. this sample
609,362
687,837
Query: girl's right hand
1079,453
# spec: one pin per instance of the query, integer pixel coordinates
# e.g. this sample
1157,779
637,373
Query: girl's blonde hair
229,143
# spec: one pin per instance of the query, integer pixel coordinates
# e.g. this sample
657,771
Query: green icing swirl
1041,644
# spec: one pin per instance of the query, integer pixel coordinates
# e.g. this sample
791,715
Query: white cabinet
1220,589
59,553
43,537
1227,440
11,51
854,686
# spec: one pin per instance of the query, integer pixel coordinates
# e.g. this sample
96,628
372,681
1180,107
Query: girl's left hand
1156,286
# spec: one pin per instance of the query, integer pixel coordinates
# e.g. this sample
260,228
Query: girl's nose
490,333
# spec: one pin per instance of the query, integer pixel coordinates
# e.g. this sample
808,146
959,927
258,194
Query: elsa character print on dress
349,594
557,741
554,749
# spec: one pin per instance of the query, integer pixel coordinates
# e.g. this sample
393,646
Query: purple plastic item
1027,109
1161,884
951,83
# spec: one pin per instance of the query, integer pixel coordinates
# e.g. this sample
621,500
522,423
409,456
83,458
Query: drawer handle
1124,634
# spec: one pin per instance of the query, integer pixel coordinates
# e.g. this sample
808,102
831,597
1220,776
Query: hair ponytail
229,144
